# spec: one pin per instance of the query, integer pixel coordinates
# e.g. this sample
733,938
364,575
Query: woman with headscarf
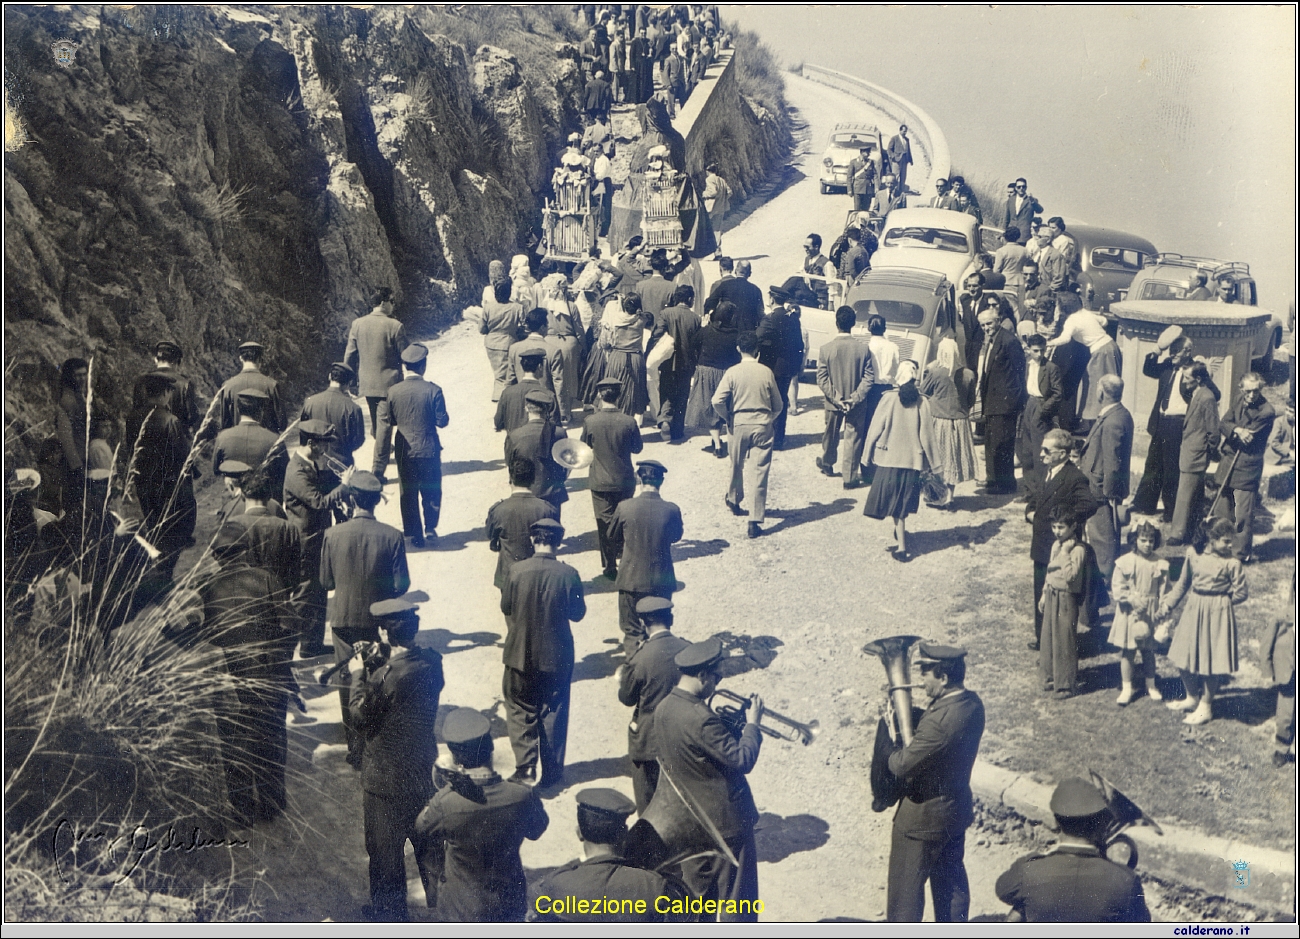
900,444
564,332
496,275
715,352
622,332
607,303
950,387
523,287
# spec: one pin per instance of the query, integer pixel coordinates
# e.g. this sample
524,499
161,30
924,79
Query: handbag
661,353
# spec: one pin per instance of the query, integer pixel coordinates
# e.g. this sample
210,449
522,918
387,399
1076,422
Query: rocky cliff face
211,175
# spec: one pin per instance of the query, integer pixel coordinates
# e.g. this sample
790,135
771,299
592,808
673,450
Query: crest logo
1241,870
65,51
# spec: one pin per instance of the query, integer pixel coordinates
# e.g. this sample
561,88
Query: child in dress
1205,640
1058,652
1139,581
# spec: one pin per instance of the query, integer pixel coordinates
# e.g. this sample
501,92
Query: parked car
1168,276
845,142
1109,259
937,240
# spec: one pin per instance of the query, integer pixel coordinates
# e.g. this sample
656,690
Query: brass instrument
896,726
336,466
1124,814
796,732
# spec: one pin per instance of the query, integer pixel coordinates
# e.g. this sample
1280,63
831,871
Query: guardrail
926,134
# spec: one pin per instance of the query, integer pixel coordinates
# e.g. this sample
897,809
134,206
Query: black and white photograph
650,463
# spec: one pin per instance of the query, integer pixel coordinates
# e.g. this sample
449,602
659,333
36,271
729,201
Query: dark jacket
1073,884
394,710
532,441
273,544
363,561
780,343
747,297
228,394
511,410
1165,373
649,676
1068,487
247,443
684,326
1029,207
1200,432
935,768
1051,390
508,523
417,409
613,437
374,353
541,598
1002,386
181,398
715,346
470,833
335,407
610,876
706,763
643,531
1106,454
1249,469
597,95
310,495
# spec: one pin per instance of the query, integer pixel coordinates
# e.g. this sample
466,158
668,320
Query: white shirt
1031,379
1086,327
884,354
1177,406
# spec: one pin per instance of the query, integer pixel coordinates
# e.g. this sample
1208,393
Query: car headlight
827,162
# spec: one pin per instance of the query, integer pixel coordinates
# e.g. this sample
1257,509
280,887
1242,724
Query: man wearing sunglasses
1021,208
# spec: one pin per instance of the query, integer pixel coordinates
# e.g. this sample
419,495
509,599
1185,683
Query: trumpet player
929,836
644,680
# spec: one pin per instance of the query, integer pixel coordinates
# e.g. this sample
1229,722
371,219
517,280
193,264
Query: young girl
1139,580
1058,653
1205,640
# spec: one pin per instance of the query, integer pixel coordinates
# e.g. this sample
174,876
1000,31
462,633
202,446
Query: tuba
894,729
1124,813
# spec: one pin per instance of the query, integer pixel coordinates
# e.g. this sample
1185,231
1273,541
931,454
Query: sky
1175,123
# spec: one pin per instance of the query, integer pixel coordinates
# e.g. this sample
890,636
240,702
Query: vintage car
1169,277
845,143
937,240
1108,259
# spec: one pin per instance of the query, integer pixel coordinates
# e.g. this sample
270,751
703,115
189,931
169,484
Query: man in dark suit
335,406
249,377
180,397
1000,373
417,409
597,98
541,599
900,155
1074,882
929,834
1042,405
780,348
1245,429
1200,437
312,494
1021,209
248,441
656,290
471,830
374,353
613,437
747,297
532,441
845,374
678,320
707,765
1062,484
645,679
511,410
271,542
1165,425
161,475
363,561
642,531
552,374
971,302
510,522
394,704
1105,461
862,179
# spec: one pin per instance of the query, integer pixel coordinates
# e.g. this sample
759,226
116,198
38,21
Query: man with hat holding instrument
250,377
615,891
642,532
509,522
374,353
160,469
335,406
363,561
512,410
312,494
248,440
646,678
704,766
1074,882
532,441
417,409
393,706
613,437
929,835
181,397
541,598
471,830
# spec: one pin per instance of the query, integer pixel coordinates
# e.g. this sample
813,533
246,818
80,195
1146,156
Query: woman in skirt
622,331
1205,640
716,352
950,388
900,444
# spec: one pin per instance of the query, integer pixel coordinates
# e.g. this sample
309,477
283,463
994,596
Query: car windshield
896,312
916,237
852,140
1154,290
1118,259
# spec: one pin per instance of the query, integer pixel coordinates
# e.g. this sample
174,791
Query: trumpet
336,466
734,714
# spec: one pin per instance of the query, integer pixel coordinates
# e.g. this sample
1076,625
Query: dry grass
224,203
759,72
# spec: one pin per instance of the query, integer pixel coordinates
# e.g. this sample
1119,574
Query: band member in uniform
374,353
335,406
311,494
708,765
163,483
929,839
532,441
248,441
510,522
1074,882
540,599
603,872
643,531
471,830
181,398
270,541
363,561
511,408
417,409
250,377
613,437
648,676
394,704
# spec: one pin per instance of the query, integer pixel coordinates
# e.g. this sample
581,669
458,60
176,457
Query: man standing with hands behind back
417,409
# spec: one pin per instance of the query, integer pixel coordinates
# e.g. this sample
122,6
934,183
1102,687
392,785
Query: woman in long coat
950,388
900,444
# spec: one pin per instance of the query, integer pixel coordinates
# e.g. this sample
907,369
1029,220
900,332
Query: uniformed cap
540,398
610,383
345,374
316,430
1077,798
530,360
246,346
414,353
233,468
252,394
383,609
653,466
606,802
155,384
545,525
933,652
464,726
365,482
648,605
699,655
168,348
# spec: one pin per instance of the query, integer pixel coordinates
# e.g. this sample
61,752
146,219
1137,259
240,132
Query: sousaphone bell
894,729
572,454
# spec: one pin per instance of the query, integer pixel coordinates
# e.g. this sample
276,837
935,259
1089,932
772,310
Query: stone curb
1181,855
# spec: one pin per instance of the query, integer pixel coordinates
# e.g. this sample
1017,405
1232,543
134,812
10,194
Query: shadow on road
577,774
777,838
689,548
746,653
597,665
453,467
810,513
440,640
457,540
963,536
